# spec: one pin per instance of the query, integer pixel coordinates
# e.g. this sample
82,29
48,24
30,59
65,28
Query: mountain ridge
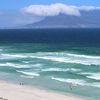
86,20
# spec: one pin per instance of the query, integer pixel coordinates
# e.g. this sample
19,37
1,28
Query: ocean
52,59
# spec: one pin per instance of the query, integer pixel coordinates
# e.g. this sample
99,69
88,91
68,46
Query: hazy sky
21,12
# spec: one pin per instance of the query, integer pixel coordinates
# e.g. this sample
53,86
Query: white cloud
88,8
57,8
51,10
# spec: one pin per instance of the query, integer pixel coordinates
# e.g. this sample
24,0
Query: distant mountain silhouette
87,19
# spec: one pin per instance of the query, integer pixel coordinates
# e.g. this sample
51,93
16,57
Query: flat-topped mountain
85,20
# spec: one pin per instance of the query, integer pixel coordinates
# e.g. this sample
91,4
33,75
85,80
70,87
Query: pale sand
17,92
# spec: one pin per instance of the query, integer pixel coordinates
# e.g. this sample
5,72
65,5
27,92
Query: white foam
29,73
26,62
58,57
90,75
64,54
69,60
60,69
13,56
95,84
74,81
7,64
24,76
15,65
77,82
37,65
95,76
20,65
84,56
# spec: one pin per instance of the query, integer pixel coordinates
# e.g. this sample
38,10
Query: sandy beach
10,91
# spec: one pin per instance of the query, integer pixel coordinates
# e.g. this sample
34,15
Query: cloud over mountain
56,9
51,10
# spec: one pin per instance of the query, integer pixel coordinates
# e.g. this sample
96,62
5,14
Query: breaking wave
25,76
72,58
29,73
74,81
57,57
77,82
10,56
95,76
60,69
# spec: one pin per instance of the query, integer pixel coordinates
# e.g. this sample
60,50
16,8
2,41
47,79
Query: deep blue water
51,35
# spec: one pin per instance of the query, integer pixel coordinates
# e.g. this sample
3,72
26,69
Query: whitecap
13,56
6,64
84,56
60,69
38,65
24,76
65,54
85,60
95,76
65,60
14,65
20,65
77,82
29,73
74,81
26,62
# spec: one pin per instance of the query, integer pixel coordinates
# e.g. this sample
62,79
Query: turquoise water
53,66
52,59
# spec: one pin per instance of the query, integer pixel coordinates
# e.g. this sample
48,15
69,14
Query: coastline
10,91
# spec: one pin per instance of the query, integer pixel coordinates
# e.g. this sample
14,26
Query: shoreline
10,91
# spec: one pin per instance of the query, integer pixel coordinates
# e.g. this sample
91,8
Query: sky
16,4
21,12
